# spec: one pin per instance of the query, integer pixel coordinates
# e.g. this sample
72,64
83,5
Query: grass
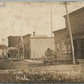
21,71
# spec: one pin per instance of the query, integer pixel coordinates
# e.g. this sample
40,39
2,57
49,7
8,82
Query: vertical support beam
22,46
51,21
22,43
3,47
70,32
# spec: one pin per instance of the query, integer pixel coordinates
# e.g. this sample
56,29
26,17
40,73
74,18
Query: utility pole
3,47
70,32
51,21
22,46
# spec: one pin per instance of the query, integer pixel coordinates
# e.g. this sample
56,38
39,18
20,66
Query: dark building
15,46
62,36
13,41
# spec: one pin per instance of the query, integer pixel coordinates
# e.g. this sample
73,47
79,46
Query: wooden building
62,37
62,44
34,46
13,41
15,47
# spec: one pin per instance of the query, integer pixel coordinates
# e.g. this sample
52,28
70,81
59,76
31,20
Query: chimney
33,33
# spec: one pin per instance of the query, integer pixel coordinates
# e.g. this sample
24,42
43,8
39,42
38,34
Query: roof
19,36
14,36
42,37
76,12
34,37
59,31
27,35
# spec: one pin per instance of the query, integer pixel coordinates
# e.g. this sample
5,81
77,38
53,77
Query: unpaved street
35,71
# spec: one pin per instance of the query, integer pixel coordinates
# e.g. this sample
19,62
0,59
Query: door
77,48
82,48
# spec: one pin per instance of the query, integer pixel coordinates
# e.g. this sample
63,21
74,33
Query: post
51,22
22,46
22,43
3,47
70,32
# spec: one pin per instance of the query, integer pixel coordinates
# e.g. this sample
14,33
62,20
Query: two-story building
62,38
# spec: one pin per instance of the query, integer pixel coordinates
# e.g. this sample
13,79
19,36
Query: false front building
62,38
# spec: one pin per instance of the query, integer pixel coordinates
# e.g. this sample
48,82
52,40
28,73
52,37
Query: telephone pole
70,32
22,44
51,21
3,47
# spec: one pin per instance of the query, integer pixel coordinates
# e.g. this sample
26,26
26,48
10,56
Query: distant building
15,46
34,46
62,39
13,41
3,51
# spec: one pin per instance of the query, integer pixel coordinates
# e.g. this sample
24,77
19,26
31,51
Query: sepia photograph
41,41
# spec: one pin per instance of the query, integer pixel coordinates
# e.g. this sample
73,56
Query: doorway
79,48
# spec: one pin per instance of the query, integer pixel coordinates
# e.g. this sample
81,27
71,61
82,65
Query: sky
21,18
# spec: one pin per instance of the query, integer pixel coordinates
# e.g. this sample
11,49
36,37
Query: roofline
41,37
75,12
26,35
20,36
13,36
60,30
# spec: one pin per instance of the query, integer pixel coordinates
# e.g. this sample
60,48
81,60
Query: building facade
62,37
39,45
62,44
77,26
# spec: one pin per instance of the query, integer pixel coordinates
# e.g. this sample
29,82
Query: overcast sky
20,18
